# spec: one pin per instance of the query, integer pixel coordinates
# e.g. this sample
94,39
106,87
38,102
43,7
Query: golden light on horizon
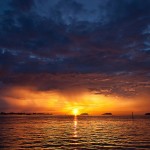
75,111
69,102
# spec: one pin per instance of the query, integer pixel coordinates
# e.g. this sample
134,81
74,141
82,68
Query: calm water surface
68,132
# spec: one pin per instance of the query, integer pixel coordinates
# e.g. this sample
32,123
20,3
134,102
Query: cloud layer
100,46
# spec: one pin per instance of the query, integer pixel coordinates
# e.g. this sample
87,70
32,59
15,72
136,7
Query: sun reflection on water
75,126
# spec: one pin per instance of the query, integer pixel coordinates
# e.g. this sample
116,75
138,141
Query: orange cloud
64,102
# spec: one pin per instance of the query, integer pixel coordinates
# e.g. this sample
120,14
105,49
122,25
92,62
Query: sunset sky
59,56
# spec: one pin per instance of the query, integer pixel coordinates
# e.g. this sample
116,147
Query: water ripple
56,132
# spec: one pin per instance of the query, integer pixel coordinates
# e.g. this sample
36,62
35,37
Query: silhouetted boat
107,114
132,116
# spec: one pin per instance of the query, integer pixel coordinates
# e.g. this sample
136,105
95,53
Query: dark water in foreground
64,132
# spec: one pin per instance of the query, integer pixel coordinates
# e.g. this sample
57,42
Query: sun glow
75,111
59,103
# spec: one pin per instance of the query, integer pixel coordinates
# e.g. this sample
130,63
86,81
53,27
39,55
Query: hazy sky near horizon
57,55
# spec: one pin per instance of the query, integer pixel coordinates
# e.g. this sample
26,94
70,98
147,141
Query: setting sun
75,111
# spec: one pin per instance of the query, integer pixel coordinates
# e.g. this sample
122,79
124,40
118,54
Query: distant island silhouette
107,114
147,114
84,114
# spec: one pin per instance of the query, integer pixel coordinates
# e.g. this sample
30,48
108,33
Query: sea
50,132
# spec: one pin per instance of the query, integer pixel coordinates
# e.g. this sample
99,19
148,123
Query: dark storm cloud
70,36
122,84
23,5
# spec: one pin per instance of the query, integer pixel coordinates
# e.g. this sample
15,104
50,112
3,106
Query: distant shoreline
13,113
82,114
